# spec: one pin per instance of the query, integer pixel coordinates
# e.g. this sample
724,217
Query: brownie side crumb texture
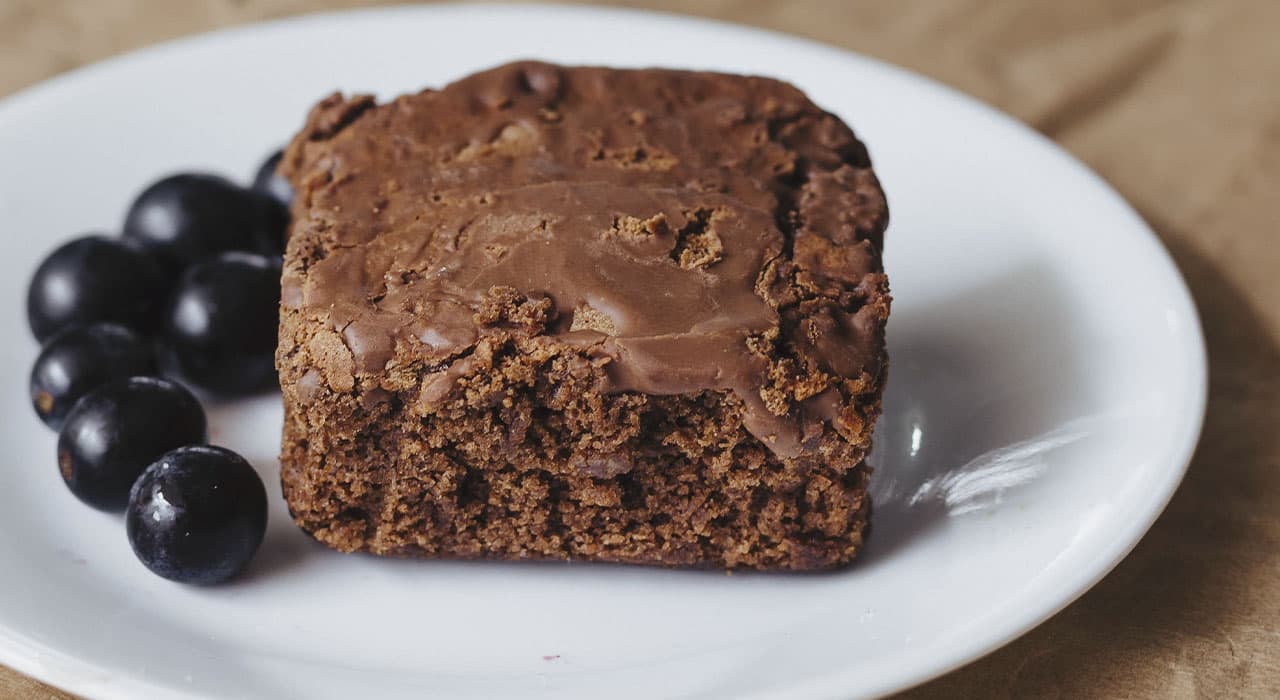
618,315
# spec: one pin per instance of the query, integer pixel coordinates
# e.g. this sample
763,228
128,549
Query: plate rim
32,658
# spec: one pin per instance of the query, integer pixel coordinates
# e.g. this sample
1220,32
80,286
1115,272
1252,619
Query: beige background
1177,104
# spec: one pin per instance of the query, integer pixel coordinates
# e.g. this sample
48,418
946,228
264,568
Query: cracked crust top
689,231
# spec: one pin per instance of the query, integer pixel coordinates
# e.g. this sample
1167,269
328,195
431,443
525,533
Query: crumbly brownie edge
528,460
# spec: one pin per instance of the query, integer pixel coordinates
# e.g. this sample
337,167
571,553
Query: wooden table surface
1177,104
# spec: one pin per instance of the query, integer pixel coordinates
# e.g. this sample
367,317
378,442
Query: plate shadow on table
1195,588
983,385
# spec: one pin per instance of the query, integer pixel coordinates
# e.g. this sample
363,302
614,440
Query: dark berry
275,232
116,430
78,360
188,217
270,182
197,515
278,190
95,278
220,331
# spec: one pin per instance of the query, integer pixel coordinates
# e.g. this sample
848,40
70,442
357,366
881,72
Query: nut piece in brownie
583,313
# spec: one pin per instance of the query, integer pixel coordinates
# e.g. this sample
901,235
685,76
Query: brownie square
583,313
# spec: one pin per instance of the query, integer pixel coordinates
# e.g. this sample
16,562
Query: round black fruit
197,515
220,331
270,182
190,216
116,430
95,278
80,359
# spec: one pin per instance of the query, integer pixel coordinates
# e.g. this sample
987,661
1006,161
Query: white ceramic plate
1047,389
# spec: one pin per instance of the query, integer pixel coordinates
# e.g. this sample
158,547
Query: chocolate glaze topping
684,229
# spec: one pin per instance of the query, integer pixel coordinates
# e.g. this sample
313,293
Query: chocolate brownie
583,313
